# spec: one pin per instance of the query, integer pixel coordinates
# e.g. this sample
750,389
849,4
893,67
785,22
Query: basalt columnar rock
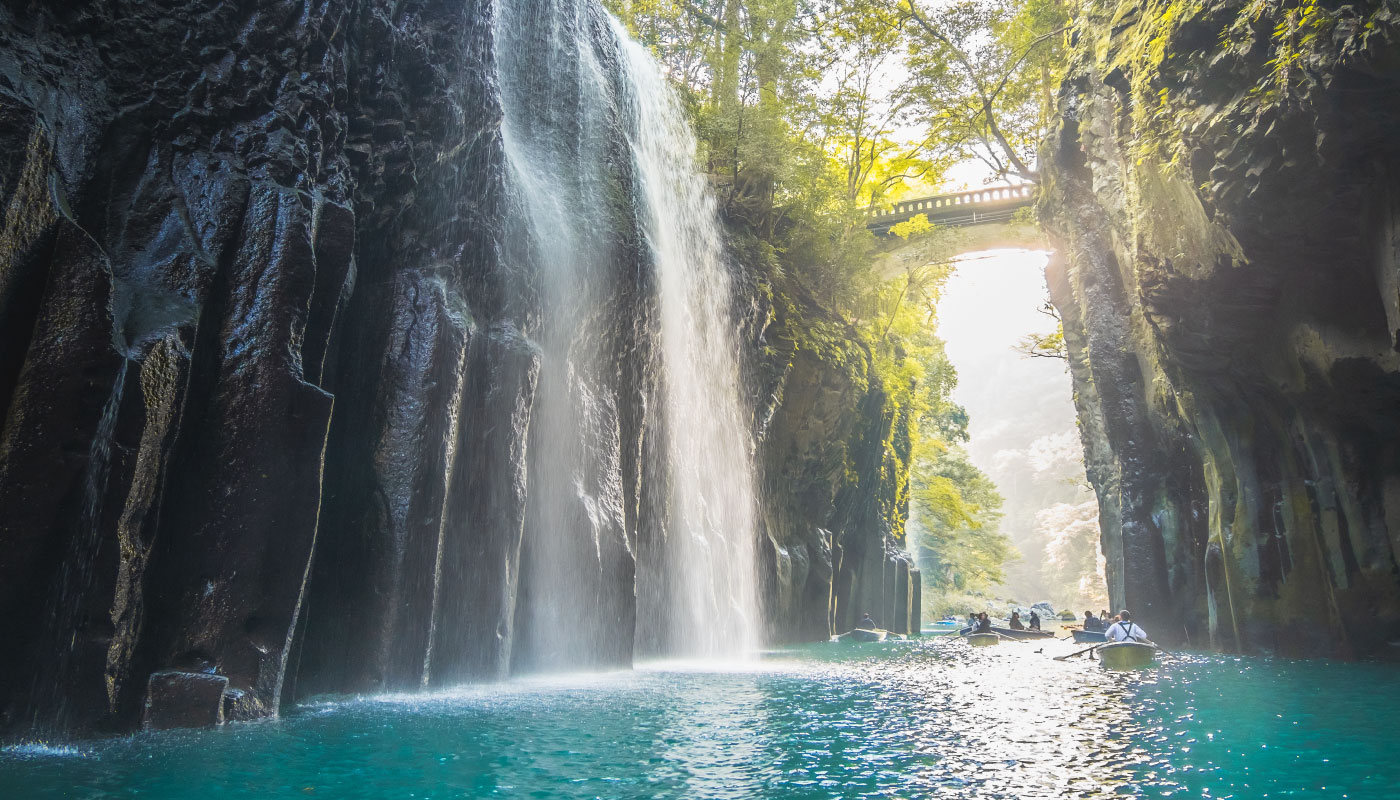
269,357
1221,190
835,479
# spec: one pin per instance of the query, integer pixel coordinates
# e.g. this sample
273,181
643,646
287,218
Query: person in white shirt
1125,630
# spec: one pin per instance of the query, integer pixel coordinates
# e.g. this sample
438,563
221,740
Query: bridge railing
958,208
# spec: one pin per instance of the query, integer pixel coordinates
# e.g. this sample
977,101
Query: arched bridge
956,210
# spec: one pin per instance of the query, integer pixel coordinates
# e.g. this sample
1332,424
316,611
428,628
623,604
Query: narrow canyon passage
598,398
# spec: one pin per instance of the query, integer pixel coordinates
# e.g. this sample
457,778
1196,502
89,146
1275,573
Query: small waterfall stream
632,312
68,654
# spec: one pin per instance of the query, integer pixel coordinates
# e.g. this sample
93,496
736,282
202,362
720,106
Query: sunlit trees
812,113
1072,556
1046,345
982,72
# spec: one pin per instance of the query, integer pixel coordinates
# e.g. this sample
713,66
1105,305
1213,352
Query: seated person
1035,620
1125,630
1091,622
984,624
866,622
1016,621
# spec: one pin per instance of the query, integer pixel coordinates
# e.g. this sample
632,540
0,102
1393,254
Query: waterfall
629,303
711,520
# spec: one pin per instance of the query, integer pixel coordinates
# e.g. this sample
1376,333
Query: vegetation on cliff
1219,185
808,116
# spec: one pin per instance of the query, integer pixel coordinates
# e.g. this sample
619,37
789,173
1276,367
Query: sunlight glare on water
929,718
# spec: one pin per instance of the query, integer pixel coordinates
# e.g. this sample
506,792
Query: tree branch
966,61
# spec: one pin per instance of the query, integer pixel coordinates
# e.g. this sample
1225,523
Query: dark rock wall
251,314
267,368
1220,188
834,495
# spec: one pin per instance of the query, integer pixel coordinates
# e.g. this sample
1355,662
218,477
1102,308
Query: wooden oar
1085,650
1009,638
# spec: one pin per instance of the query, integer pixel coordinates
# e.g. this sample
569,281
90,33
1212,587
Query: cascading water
557,103
709,548
631,310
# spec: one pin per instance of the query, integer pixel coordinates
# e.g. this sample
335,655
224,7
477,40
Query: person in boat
1125,630
1103,617
984,623
1035,620
867,622
1016,624
1091,622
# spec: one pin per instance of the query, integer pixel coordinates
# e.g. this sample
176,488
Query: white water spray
711,533
599,155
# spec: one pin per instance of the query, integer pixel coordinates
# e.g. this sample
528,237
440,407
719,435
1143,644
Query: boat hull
1088,637
863,635
1015,634
982,639
1127,655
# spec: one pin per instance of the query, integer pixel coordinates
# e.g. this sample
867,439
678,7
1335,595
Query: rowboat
1087,637
863,635
1127,655
939,631
1026,634
1013,634
982,639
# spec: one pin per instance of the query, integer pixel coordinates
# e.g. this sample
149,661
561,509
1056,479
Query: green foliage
804,110
958,509
983,73
913,226
1279,50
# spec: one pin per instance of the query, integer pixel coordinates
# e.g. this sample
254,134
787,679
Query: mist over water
1023,430
608,206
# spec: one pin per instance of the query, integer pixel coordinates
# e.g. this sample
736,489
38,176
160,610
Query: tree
958,508
1046,345
804,111
982,72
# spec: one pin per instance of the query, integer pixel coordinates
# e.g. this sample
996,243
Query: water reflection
932,718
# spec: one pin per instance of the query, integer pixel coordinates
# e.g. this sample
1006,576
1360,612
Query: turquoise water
930,718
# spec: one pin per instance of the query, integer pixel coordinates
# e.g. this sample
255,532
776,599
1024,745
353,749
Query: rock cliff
1221,191
270,356
835,479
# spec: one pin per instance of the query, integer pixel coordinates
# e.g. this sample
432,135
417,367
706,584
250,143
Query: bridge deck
975,207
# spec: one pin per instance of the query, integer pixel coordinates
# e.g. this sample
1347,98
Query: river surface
927,718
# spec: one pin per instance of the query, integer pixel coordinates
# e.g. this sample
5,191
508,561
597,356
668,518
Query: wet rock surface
1224,211
184,700
833,485
254,323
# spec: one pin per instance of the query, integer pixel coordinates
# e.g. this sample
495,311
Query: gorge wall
1221,188
278,320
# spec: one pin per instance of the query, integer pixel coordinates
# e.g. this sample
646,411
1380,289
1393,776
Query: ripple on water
930,718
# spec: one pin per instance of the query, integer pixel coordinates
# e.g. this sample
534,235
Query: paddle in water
1077,652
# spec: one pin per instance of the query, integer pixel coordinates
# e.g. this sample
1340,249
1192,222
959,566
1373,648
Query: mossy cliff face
834,450
1221,189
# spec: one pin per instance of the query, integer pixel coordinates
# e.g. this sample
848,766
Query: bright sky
988,305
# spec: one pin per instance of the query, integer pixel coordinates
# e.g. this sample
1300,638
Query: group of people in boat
983,624
1017,625
1120,629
